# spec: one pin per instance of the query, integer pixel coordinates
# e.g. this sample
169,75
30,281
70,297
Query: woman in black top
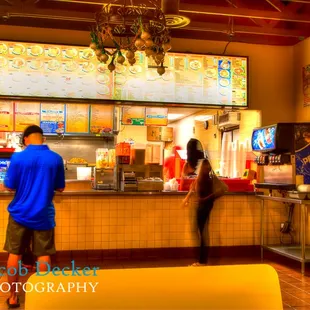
205,204
195,153
204,189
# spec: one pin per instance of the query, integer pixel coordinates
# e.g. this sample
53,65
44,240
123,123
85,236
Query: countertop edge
114,193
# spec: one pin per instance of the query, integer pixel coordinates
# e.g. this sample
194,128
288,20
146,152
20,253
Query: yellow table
245,287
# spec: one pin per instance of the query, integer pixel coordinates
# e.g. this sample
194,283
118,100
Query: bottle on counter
112,159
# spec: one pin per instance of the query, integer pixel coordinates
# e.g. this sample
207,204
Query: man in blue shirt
34,174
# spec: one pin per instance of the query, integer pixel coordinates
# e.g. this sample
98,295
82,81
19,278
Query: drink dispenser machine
284,154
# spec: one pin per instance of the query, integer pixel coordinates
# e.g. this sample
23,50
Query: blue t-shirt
35,174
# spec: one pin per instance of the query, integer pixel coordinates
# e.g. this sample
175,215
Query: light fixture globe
129,26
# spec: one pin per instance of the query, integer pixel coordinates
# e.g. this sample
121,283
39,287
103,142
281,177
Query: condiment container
102,158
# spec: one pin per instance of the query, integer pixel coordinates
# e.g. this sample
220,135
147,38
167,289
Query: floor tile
295,287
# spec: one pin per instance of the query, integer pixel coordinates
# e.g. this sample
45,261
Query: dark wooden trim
83,256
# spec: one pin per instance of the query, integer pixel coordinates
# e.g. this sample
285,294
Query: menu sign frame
156,116
77,118
50,72
26,114
134,115
101,118
7,116
52,119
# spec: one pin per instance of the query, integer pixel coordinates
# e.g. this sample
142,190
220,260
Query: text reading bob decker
65,286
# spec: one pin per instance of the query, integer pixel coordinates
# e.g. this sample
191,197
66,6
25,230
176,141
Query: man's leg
43,248
44,263
12,265
17,240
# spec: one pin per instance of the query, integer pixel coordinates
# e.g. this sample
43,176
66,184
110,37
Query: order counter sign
156,116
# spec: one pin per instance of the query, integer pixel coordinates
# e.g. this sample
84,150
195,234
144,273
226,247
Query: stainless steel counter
77,181
300,252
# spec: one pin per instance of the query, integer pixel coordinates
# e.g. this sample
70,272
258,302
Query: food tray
299,195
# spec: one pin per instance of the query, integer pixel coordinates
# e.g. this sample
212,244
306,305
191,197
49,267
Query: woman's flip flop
13,306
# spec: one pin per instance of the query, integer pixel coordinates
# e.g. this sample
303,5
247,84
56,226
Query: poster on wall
26,114
133,116
156,116
306,85
101,118
302,146
77,118
52,118
6,116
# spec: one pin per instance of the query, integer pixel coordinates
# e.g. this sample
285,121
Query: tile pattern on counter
109,222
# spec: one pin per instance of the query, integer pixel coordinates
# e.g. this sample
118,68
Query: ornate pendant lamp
130,27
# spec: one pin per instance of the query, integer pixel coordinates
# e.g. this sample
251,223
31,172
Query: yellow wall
271,67
301,59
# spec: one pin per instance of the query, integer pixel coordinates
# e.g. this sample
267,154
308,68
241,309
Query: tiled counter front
87,222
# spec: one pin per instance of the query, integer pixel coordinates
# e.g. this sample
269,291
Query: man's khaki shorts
19,239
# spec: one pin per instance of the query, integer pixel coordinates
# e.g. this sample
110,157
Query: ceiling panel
254,21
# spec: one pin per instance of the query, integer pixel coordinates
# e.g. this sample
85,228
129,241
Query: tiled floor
295,287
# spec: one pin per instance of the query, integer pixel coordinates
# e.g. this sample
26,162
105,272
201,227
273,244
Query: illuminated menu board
54,71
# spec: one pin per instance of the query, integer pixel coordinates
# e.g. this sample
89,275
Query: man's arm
60,182
11,177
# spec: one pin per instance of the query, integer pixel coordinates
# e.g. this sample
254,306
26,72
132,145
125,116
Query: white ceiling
185,112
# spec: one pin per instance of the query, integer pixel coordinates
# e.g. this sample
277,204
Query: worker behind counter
169,164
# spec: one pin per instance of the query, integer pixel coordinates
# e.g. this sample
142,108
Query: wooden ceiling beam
242,12
297,1
279,6
258,22
217,27
6,2
30,11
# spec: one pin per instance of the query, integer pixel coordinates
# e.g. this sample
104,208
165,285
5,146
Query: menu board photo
101,118
26,114
133,116
55,71
77,118
52,118
156,116
6,116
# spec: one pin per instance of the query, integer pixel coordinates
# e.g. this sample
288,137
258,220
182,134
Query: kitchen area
124,153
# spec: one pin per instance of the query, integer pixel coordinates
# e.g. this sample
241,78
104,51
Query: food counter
92,220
